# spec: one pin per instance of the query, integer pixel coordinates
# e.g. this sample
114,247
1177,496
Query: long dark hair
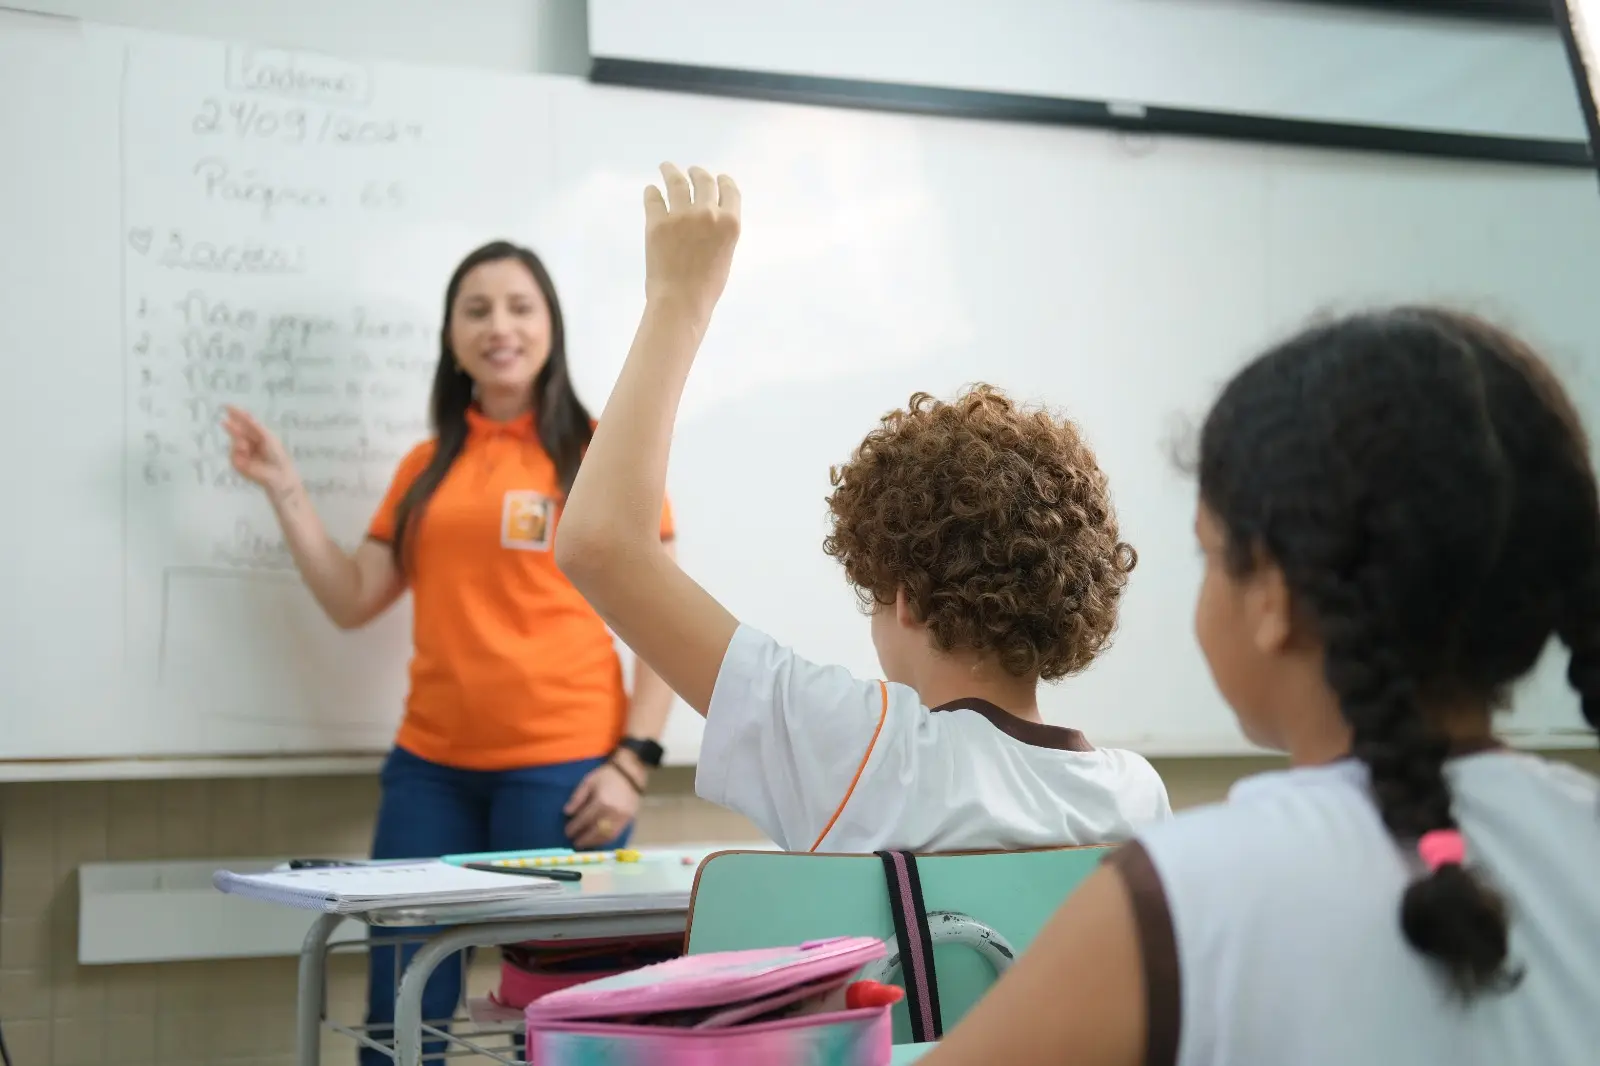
562,421
1425,485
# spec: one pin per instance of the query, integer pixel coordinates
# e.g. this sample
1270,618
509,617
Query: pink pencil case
728,1008
534,969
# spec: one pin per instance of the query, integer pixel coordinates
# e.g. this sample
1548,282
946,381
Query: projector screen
1342,74
1580,25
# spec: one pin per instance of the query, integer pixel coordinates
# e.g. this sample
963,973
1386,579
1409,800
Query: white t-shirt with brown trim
1270,924
821,760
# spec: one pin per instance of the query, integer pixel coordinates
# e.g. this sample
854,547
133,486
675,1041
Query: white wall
545,36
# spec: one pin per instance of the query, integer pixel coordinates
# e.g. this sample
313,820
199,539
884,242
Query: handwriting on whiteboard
298,75
335,384
259,192
175,250
250,196
251,120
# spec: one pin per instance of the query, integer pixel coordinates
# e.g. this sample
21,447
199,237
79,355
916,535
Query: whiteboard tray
171,912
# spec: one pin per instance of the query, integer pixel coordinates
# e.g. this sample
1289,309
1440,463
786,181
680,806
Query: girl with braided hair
1397,511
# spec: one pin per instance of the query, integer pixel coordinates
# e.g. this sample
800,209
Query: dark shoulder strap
916,944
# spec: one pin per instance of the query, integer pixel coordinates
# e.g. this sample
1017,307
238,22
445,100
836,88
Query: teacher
517,732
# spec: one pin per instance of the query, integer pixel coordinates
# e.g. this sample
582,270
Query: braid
1580,632
1449,915
1422,484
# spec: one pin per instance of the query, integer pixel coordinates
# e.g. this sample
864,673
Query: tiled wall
239,1013
226,1013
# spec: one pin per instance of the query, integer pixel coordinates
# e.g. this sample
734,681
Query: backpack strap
916,944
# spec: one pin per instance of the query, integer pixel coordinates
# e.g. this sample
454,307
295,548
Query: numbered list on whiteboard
290,223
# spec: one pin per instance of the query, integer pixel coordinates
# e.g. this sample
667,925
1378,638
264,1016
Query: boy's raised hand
689,235
610,544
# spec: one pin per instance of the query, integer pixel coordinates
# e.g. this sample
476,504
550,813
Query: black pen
553,873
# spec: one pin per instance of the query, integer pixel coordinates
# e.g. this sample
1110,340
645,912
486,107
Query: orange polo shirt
511,666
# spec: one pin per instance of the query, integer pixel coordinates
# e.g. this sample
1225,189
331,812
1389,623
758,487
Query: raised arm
609,543
352,589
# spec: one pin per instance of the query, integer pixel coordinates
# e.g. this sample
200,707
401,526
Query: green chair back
756,899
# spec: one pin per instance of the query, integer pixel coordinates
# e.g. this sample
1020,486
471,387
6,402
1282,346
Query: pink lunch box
722,1008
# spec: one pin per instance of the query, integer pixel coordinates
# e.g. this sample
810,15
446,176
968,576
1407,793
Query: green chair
755,899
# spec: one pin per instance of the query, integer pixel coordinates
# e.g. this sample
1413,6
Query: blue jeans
428,810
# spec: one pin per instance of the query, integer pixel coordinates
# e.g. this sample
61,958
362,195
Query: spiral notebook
381,886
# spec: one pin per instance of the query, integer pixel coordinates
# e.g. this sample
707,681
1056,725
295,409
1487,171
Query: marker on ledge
553,873
545,857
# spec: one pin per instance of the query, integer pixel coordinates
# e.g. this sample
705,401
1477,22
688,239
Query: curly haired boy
978,534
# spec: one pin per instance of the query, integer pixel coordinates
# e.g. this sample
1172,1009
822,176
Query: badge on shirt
526,521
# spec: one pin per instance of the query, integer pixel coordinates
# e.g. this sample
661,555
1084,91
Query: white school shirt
823,761
1282,907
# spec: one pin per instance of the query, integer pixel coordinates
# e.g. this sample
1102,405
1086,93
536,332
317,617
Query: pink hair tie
1442,847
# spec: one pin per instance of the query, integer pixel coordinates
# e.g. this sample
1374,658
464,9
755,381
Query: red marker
860,994
854,996
798,1002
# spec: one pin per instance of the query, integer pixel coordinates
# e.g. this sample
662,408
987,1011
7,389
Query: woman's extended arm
352,589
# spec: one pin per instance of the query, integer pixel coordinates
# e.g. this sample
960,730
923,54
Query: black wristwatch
648,751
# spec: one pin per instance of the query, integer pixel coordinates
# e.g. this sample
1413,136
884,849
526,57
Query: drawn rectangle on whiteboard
254,647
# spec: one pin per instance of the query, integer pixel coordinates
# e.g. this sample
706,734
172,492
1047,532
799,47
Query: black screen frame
1525,11
905,98
1582,77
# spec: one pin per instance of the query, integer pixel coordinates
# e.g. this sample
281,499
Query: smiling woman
518,732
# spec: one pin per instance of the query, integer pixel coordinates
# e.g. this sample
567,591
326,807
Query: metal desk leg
313,995
408,1039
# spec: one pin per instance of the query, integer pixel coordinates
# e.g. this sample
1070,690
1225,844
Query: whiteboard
1121,279
268,229
195,222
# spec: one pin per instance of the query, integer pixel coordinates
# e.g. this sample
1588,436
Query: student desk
613,899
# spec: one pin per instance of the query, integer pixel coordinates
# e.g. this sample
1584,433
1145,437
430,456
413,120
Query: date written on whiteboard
253,120
267,196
